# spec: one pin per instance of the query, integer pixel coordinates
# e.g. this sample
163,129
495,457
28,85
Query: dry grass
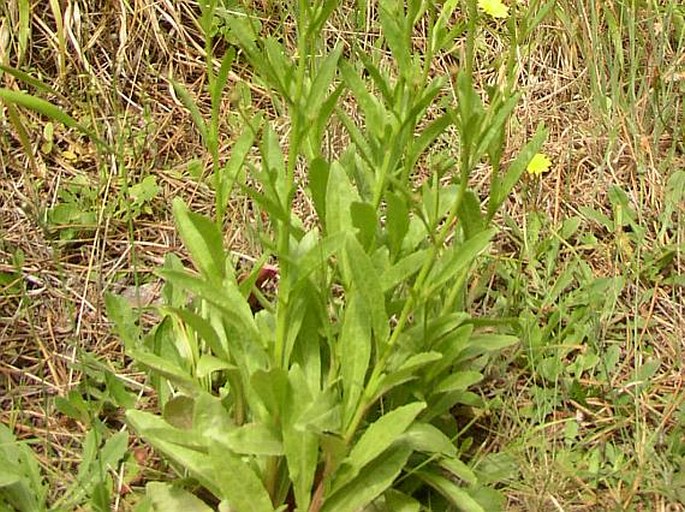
112,71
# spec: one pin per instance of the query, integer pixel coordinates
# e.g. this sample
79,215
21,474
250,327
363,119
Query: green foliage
338,395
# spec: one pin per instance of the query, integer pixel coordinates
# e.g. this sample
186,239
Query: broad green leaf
458,381
451,345
319,171
470,215
365,280
165,368
397,32
364,219
222,473
203,240
485,343
253,439
396,223
424,437
272,387
396,501
355,351
322,83
458,469
451,491
403,269
301,446
322,414
339,197
120,313
208,364
408,371
169,498
203,328
377,438
371,482
178,412
228,299
457,258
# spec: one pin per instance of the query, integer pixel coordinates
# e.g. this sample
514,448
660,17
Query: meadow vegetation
342,255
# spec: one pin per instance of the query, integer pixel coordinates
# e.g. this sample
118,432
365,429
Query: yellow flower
494,8
539,164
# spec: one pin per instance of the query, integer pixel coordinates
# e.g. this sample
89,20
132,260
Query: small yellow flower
539,164
494,8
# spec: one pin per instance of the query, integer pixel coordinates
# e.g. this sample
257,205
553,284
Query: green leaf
470,215
120,312
396,501
189,103
458,381
408,371
339,197
165,368
485,343
217,87
377,438
322,83
397,222
30,80
203,240
355,351
319,171
168,498
403,270
208,364
48,110
454,494
227,298
301,446
365,280
203,328
371,482
364,219
253,439
222,473
272,387
501,187
231,171
424,437
457,258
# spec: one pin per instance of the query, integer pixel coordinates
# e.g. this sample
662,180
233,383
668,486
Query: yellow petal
494,8
539,164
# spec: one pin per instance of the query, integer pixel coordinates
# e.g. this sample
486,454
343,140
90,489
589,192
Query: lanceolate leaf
377,438
372,481
355,351
168,498
222,473
456,495
48,110
458,258
365,280
203,240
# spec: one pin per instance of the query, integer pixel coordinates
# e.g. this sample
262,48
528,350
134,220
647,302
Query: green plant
337,396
